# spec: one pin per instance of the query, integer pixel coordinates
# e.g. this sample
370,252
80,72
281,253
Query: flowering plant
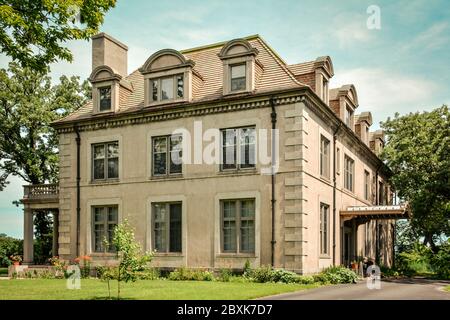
15,258
84,263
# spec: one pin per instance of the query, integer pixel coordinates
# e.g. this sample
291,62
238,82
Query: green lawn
46,289
447,288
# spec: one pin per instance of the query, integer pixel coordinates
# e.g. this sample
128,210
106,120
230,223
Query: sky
401,67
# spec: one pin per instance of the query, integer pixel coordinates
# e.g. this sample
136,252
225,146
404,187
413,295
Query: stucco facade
303,116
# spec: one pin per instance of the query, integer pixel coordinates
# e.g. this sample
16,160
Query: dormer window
168,77
348,116
239,63
167,88
238,78
104,98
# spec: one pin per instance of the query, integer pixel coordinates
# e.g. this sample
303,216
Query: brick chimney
109,52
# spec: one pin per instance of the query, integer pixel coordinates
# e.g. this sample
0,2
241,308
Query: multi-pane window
324,221
167,88
166,227
348,116
105,161
104,220
238,226
238,79
104,98
366,185
167,155
324,157
349,173
238,148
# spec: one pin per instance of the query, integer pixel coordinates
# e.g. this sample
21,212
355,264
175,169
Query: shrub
335,275
414,261
261,274
225,275
305,279
185,274
9,246
440,262
247,267
148,274
267,274
281,275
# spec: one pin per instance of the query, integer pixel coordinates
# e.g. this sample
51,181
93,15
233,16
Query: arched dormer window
167,77
105,89
323,72
238,58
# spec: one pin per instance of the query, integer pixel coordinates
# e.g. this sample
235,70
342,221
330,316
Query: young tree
129,252
418,153
28,145
33,32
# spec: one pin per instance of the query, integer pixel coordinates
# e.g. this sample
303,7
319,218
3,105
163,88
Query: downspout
334,192
377,231
78,140
273,117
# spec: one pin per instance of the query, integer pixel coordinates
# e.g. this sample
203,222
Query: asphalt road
400,289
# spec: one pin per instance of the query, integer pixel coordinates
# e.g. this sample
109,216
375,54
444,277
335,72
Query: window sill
167,177
168,254
166,102
235,255
108,181
324,256
238,171
236,93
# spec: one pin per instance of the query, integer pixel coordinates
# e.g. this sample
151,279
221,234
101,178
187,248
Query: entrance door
347,246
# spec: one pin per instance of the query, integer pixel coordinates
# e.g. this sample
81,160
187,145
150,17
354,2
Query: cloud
435,37
384,92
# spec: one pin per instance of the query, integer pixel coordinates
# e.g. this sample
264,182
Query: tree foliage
418,153
28,104
34,32
9,246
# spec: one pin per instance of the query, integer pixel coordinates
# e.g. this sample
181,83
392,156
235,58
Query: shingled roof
274,75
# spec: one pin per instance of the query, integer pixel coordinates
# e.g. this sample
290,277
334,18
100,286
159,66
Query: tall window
238,148
238,225
366,185
167,88
324,221
238,79
104,98
381,197
348,116
349,174
105,161
104,220
167,155
324,157
166,227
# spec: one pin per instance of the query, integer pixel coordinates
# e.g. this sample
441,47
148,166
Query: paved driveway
404,289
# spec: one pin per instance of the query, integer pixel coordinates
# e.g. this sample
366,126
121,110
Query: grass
93,289
447,288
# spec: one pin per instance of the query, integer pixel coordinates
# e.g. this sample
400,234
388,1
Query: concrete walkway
400,289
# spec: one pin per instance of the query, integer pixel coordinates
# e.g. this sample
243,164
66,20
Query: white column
28,236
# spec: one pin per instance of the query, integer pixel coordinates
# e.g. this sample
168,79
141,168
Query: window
167,88
324,218
349,173
338,161
105,161
381,198
325,90
238,148
104,220
366,185
167,155
324,157
105,98
166,227
238,79
238,226
348,116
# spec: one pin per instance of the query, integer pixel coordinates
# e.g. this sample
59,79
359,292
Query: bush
440,262
414,261
261,274
335,275
8,247
148,274
305,279
225,275
185,274
267,274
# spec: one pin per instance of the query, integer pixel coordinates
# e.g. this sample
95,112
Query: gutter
273,119
78,141
334,191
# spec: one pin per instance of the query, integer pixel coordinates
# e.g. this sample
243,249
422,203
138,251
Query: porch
354,216
38,198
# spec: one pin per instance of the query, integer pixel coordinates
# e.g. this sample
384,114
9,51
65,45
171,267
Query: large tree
418,153
28,145
34,32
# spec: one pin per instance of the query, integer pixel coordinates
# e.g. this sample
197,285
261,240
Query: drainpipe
377,231
78,140
273,117
334,192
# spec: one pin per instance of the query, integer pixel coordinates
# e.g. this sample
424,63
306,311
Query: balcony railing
40,191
